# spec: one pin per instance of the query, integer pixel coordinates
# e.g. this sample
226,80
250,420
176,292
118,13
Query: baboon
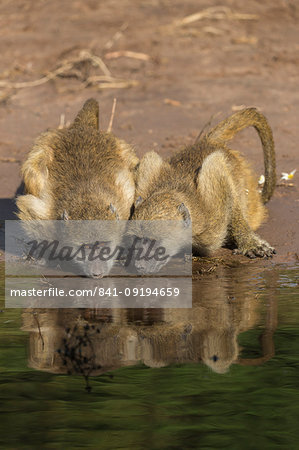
211,186
78,173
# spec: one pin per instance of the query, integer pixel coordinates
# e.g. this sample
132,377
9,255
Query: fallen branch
25,84
207,125
8,159
285,185
68,69
112,116
127,54
96,60
215,13
110,82
61,122
169,101
116,36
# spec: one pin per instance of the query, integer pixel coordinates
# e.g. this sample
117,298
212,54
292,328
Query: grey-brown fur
78,173
214,185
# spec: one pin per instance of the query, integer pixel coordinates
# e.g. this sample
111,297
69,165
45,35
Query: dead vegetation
80,65
214,13
75,67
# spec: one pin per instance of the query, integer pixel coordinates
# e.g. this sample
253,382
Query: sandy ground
239,53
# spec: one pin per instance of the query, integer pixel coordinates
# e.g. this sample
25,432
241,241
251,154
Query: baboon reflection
92,342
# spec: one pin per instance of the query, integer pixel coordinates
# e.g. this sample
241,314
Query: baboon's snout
96,269
97,275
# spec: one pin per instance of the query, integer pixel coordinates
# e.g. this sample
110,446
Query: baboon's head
73,170
75,174
160,226
95,244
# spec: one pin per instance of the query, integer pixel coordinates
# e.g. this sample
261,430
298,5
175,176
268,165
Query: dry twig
68,68
215,13
127,54
96,60
61,122
112,116
169,101
8,159
285,185
206,126
116,36
109,82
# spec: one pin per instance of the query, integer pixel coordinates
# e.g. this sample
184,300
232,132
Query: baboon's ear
114,211
184,211
88,116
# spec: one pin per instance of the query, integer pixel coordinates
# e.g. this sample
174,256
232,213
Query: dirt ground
232,54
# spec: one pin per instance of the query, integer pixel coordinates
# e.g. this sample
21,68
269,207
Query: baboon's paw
256,248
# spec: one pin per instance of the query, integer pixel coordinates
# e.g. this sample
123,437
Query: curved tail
250,117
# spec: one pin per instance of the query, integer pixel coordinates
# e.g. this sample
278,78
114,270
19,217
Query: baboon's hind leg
247,242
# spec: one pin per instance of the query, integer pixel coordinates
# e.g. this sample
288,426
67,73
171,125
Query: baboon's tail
250,117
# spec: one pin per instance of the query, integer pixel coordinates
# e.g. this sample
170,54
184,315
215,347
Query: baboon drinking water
78,173
211,186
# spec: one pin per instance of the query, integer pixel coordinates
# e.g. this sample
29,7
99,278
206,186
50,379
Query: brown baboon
212,186
79,173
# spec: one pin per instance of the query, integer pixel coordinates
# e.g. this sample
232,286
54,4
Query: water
223,374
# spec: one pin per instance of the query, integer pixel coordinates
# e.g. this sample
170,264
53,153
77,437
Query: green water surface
180,406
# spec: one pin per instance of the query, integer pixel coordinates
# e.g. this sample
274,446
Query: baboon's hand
255,247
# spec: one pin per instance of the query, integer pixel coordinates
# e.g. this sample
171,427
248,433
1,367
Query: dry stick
285,184
8,159
216,13
206,126
67,65
111,83
127,54
112,116
96,60
116,36
61,122
96,78
105,81
38,82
